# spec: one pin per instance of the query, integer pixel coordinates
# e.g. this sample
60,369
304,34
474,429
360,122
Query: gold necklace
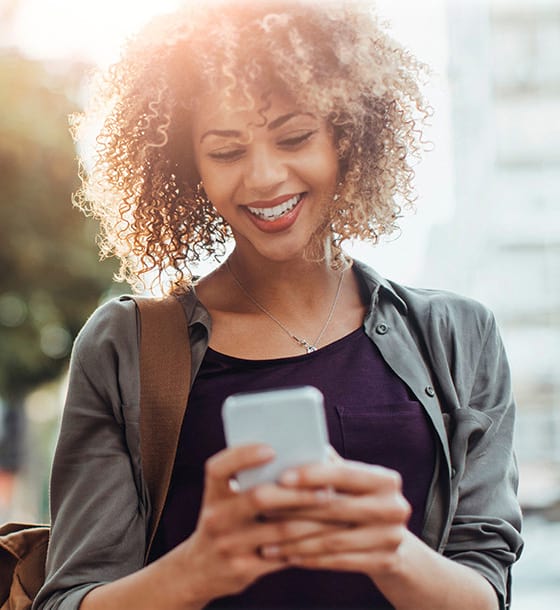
309,347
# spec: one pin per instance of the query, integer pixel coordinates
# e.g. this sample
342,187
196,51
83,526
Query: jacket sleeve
98,504
485,531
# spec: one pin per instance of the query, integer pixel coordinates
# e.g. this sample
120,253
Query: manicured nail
265,452
290,477
324,495
270,550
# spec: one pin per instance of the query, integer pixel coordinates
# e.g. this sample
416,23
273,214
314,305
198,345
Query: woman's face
271,174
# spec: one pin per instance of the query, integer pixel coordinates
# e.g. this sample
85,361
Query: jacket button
453,473
430,391
381,329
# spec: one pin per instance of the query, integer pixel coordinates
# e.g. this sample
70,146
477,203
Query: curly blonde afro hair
332,58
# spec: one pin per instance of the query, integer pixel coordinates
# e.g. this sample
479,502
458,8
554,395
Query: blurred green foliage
50,275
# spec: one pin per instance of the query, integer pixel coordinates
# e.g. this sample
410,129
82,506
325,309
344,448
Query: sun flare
93,30
81,29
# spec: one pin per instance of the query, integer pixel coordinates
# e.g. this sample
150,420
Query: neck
299,282
308,343
309,300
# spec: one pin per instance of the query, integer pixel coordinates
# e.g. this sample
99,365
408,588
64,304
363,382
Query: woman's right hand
222,557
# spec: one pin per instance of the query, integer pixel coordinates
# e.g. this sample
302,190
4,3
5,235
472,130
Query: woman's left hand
368,505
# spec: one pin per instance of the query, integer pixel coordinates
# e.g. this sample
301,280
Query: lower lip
280,224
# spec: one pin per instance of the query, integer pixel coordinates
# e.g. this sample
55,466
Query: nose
265,170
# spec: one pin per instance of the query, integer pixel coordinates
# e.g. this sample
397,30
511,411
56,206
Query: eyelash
233,155
296,140
229,155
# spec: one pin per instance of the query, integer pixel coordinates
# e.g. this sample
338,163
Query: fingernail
270,550
290,477
323,495
265,452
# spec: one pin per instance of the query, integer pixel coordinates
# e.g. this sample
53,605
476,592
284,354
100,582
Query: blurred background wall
487,222
501,244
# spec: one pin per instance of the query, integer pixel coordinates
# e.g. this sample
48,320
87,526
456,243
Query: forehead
240,112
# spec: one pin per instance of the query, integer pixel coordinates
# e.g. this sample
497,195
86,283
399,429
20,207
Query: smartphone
291,420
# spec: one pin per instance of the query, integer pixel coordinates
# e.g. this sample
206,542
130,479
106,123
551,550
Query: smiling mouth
276,212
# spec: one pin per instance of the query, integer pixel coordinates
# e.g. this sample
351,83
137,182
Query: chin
286,248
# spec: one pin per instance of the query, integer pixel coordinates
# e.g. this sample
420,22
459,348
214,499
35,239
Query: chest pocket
373,434
397,436
467,431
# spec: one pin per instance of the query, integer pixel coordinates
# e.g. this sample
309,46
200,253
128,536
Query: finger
247,567
372,563
344,476
252,538
350,540
271,498
333,455
223,466
239,509
344,509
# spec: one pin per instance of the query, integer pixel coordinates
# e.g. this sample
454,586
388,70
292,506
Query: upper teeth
276,211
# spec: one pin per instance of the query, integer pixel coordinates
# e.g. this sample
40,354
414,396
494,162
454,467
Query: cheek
326,170
214,181
220,189
327,162
212,189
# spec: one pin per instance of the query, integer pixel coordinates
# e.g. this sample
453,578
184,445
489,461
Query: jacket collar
377,285
195,311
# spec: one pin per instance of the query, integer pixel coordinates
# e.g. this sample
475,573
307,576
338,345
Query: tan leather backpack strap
165,378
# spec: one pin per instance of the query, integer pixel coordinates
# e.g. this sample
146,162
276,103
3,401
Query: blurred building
502,245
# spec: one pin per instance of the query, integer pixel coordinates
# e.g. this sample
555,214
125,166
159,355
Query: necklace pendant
309,348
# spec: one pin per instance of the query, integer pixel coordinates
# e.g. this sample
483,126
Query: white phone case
292,421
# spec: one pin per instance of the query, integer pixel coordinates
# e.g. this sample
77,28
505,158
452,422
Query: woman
289,126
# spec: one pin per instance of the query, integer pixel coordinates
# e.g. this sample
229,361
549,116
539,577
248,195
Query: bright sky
89,29
93,30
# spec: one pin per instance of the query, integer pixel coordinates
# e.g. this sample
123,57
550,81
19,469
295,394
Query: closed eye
227,155
297,140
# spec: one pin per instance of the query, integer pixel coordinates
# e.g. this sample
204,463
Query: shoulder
453,329
109,321
443,306
433,312
111,329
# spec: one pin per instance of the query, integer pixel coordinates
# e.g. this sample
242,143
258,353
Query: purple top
372,417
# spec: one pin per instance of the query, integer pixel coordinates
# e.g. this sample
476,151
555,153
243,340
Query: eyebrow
232,133
225,133
281,120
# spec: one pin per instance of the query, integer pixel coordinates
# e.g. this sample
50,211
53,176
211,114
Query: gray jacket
446,348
